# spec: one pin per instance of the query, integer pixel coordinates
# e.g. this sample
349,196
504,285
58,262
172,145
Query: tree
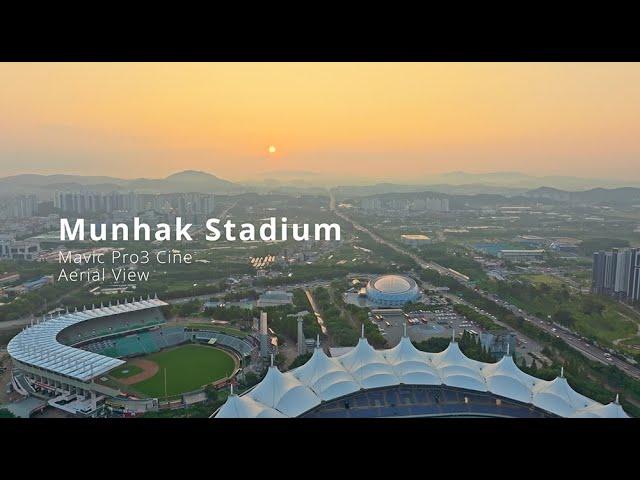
592,306
211,392
563,317
4,413
300,360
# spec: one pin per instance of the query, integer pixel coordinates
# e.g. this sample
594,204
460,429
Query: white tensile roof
457,370
368,367
411,366
326,376
506,379
322,378
558,397
610,410
284,393
246,407
38,346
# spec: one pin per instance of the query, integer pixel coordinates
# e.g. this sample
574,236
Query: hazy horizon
394,122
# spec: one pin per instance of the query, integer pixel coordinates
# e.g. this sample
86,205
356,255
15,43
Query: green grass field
128,370
541,278
188,368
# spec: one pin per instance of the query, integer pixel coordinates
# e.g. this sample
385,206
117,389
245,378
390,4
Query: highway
588,350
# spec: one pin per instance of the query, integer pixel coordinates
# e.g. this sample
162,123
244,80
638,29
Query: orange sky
381,121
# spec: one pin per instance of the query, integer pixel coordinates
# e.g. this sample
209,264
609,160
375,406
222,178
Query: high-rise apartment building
189,204
617,273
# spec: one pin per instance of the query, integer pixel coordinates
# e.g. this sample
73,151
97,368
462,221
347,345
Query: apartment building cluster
617,273
19,207
83,202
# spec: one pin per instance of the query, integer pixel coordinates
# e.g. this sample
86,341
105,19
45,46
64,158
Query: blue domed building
392,290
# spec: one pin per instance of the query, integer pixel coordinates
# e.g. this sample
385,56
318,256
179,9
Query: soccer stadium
122,359
392,290
406,382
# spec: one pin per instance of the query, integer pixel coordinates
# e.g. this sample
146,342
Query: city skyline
385,121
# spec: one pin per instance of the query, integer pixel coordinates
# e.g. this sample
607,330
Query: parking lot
442,322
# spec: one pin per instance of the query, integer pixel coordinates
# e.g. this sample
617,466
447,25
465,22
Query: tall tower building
623,273
302,348
633,293
264,336
610,262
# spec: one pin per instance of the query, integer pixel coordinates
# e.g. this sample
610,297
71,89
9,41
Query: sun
272,149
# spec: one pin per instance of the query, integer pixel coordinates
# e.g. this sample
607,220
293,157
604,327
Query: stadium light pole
165,383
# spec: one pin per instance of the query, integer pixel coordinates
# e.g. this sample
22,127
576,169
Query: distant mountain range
609,196
467,189
517,180
497,183
187,181
625,196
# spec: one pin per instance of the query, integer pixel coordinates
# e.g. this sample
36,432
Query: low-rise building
415,240
19,249
274,298
522,255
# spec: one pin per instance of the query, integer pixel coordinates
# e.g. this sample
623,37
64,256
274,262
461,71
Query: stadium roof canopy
38,346
322,378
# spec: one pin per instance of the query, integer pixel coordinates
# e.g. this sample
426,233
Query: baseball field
185,368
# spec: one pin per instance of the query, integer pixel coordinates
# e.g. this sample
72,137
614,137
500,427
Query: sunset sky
379,121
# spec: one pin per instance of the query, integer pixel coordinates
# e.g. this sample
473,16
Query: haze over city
381,122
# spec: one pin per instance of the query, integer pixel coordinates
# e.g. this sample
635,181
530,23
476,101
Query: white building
274,298
358,383
18,249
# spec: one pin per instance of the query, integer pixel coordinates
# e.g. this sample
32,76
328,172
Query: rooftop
39,347
323,379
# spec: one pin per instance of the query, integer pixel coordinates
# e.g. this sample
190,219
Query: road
590,351
316,311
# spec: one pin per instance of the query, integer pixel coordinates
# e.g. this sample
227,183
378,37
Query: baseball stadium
122,359
406,382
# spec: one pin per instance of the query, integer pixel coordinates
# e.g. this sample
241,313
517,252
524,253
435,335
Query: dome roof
392,284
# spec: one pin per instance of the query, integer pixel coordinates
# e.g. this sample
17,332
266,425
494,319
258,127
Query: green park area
599,318
540,278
